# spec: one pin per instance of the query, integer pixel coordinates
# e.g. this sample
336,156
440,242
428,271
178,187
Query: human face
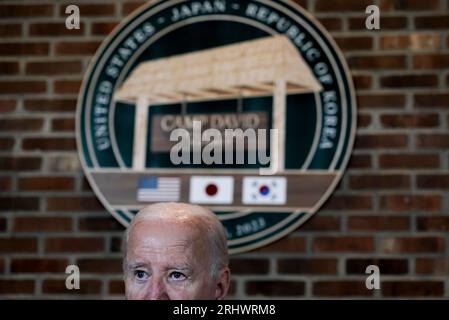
168,261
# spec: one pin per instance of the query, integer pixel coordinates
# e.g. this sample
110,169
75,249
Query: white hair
203,219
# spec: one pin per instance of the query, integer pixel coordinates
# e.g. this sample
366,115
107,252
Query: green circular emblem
204,69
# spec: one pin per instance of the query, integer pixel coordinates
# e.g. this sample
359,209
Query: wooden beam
140,133
277,149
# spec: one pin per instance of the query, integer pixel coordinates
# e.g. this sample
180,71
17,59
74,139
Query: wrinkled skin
170,261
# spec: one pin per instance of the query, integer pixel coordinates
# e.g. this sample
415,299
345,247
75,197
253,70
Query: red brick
412,288
86,185
346,202
63,124
432,266
67,86
103,28
9,67
409,81
16,245
38,265
42,224
53,67
340,288
412,202
341,5
286,244
375,181
3,227
73,48
20,163
117,287
116,244
387,23
331,24
73,204
432,100
354,43
380,101
377,62
25,11
53,29
74,244
129,7
370,141
18,87
386,266
363,120
102,265
433,223
53,105
249,266
411,161
413,41
87,286
360,161
100,224
322,223
7,105
275,288
418,5
434,140
64,163
433,181
412,244
437,21
46,183
19,203
6,143
5,184
10,30
343,244
9,286
24,49
49,144
409,120
89,10
362,81
378,223
431,61
30,124
309,266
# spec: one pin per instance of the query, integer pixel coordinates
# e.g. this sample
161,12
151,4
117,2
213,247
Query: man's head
176,251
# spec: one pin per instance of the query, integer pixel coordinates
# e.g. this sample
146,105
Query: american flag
158,189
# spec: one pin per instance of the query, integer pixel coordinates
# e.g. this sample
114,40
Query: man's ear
222,286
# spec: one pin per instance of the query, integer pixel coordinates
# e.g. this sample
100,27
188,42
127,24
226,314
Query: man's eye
140,274
177,276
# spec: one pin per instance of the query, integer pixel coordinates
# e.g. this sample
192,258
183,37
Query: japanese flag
211,189
264,190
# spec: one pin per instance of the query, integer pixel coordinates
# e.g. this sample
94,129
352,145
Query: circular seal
228,64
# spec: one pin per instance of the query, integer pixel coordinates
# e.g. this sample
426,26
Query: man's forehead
166,227
154,235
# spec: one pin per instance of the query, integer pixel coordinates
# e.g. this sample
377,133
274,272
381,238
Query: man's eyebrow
136,265
182,267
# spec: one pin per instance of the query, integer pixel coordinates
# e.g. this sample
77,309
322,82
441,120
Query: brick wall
391,208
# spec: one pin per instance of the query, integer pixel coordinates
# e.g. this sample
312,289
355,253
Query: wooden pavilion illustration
266,66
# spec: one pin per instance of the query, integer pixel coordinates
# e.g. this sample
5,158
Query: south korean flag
264,190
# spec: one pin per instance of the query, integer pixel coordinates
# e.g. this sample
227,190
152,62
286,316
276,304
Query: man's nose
157,290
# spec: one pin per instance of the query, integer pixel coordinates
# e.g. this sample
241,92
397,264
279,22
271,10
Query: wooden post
277,149
140,133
